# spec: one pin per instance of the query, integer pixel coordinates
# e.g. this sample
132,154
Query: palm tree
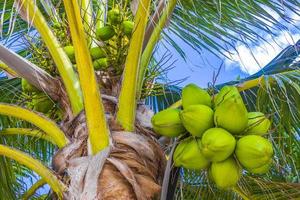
96,129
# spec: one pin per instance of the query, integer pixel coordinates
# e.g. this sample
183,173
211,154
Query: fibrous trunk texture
131,168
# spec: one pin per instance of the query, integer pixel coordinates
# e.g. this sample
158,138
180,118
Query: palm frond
217,25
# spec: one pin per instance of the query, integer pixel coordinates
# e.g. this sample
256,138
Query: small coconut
232,115
100,63
27,87
105,33
127,27
258,124
217,144
97,52
188,155
253,151
114,16
192,95
168,123
226,173
197,119
42,103
225,93
70,53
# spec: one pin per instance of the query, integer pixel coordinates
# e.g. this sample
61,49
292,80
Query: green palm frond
16,178
217,25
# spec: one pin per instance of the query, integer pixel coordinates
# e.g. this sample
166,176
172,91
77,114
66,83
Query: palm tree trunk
133,166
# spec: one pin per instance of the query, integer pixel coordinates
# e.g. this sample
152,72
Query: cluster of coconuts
39,101
98,55
222,136
117,26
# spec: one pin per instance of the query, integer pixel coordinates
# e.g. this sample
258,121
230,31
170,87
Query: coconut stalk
127,99
31,13
94,110
8,70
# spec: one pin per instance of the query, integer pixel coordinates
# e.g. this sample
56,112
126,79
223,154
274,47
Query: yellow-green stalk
32,13
94,109
45,124
127,98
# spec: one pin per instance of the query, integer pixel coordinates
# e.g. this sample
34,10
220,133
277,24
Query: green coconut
127,27
261,170
105,33
71,53
42,103
168,123
225,93
100,63
197,119
254,151
27,87
217,144
226,173
188,155
114,16
97,52
258,124
192,94
232,115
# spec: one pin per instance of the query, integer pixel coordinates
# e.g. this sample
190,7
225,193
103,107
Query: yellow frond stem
94,109
28,132
63,63
45,124
127,98
56,185
8,70
40,183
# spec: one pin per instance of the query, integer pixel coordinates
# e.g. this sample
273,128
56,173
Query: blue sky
244,62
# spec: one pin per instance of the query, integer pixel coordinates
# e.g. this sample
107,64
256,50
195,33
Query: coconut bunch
112,41
220,135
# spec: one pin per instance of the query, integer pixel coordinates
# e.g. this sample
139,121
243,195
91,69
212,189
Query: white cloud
252,59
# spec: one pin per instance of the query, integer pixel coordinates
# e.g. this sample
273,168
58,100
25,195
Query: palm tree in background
95,141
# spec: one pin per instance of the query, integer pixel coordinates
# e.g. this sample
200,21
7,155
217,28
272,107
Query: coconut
42,103
253,151
97,52
225,93
231,115
100,63
226,173
105,33
188,155
114,16
168,123
258,124
197,119
127,27
71,53
261,170
217,144
192,94
27,87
